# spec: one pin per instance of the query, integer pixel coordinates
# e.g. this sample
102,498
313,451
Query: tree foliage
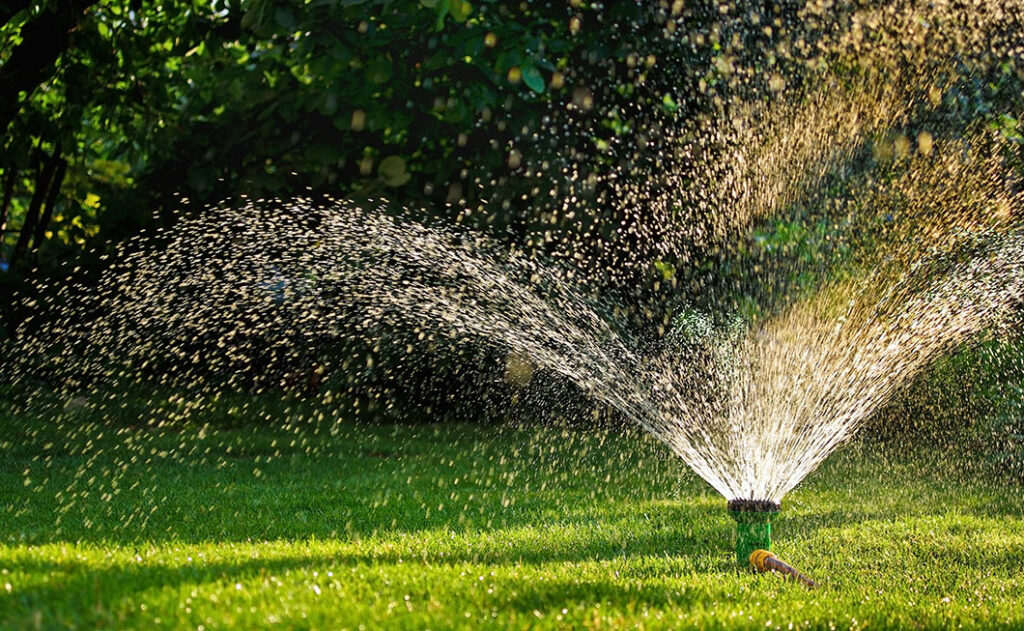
137,104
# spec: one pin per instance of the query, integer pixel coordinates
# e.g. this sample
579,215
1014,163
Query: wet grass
321,525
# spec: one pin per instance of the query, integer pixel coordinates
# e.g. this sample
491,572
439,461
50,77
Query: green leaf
442,10
670,104
533,79
460,10
392,171
330,105
667,270
380,70
285,18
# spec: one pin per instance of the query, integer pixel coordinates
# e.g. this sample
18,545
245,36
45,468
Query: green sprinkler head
753,526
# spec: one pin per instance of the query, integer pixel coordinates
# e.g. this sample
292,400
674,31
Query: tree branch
34,60
51,201
28,226
10,8
5,205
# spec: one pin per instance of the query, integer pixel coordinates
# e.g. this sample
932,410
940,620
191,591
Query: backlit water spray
925,252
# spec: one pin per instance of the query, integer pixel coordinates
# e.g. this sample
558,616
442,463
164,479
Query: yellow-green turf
323,525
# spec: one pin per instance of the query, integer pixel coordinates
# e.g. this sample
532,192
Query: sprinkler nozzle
764,561
753,526
753,506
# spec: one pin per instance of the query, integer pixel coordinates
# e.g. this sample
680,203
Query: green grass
316,525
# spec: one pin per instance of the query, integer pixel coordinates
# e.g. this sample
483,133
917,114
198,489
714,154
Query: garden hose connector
753,526
764,561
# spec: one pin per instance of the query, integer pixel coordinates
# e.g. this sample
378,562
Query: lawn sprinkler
753,526
764,561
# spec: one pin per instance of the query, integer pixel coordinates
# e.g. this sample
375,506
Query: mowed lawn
326,525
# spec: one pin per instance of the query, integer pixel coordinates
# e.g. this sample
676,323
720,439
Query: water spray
764,561
753,526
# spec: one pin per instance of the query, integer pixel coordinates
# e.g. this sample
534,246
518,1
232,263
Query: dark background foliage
138,104
120,116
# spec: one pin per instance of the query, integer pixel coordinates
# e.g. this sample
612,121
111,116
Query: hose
764,561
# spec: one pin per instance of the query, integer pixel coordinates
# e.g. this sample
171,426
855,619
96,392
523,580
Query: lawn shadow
196,508
77,589
74,583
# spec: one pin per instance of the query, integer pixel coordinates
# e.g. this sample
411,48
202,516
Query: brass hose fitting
764,561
